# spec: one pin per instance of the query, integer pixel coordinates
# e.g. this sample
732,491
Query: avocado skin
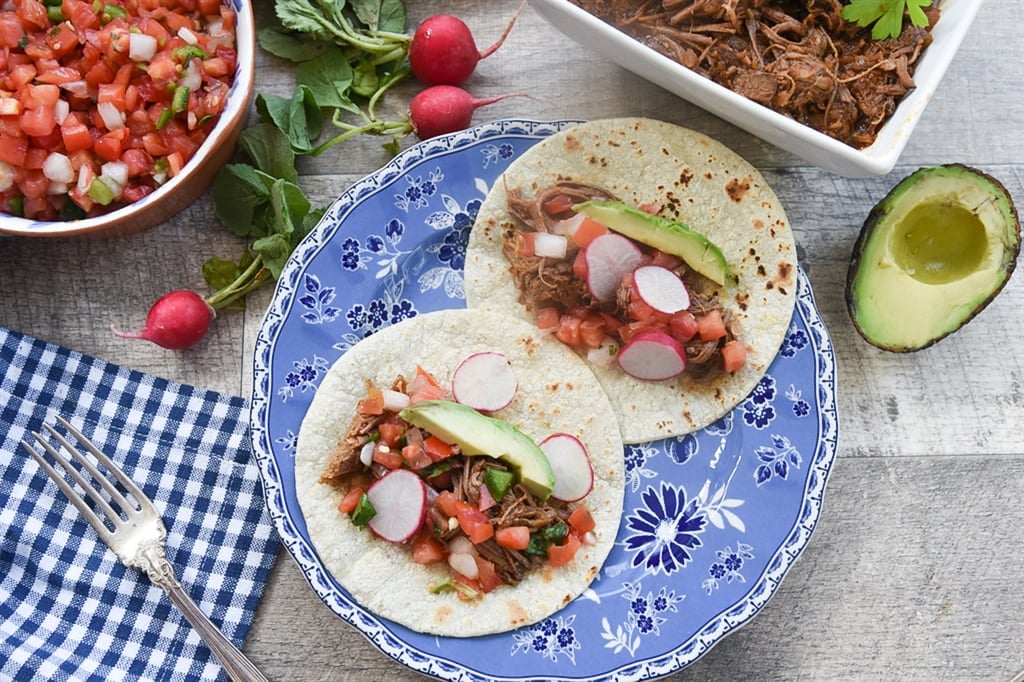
1007,233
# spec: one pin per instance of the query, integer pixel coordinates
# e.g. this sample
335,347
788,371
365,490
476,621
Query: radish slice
400,499
574,476
661,289
485,381
652,355
609,258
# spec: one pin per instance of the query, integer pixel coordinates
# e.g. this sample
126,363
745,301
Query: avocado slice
930,256
478,434
699,252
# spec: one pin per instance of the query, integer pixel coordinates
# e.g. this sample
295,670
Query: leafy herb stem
249,280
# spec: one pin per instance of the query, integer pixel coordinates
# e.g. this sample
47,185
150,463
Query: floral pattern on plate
712,520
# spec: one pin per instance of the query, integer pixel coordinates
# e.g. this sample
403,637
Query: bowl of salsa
115,115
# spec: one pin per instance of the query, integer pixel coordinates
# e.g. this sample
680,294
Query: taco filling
616,299
457,487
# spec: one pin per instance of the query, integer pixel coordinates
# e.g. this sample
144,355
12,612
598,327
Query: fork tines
127,507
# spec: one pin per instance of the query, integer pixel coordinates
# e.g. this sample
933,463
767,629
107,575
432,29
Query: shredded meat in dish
797,57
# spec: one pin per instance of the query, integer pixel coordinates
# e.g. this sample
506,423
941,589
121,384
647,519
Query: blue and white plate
712,521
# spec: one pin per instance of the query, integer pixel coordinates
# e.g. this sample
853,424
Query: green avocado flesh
477,434
930,256
696,250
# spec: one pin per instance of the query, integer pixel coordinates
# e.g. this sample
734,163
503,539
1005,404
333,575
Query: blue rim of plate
712,521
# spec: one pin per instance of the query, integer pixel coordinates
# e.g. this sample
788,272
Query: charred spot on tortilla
737,188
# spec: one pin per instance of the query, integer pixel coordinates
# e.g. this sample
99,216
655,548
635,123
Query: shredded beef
798,57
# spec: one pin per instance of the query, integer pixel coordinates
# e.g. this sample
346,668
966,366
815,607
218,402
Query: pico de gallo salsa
102,101
478,519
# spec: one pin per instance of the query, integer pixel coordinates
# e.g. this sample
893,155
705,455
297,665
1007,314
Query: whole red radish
444,52
442,109
177,320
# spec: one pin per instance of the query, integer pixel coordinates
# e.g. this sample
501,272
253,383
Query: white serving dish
779,130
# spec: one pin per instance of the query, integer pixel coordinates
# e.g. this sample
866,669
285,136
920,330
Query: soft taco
498,543
671,358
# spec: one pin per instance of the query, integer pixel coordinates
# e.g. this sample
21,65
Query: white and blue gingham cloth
69,610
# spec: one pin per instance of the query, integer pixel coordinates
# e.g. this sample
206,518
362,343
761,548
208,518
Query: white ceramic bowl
783,132
181,190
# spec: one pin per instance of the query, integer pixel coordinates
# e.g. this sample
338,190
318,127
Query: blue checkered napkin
69,610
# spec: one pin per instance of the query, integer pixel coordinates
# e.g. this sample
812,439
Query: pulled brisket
797,57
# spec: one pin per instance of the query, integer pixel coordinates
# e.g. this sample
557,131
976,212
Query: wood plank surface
915,571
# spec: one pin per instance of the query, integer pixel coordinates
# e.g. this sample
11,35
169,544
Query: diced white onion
187,35
57,188
460,544
6,176
61,111
116,172
113,119
568,226
395,401
603,355
76,88
141,47
550,245
590,538
464,564
193,78
57,167
366,454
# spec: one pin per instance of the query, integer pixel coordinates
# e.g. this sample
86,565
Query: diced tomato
639,310
33,184
11,30
415,456
425,387
527,244
652,207
34,158
513,537
75,134
62,39
487,577
587,231
38,121
557,205
581,520
387,456
138,162
579,265
426,547
710,326
437,449
373,402
559,555
592,331
548,318
474,523
568,331
682,326
111,145
80,14
734,355
13,150
32,12
350,500
390,432
447,503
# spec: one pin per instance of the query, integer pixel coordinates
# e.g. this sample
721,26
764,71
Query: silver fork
136,533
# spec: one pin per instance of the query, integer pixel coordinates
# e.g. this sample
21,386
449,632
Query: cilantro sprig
886,15
348,54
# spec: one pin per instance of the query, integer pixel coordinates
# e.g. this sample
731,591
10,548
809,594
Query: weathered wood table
916,569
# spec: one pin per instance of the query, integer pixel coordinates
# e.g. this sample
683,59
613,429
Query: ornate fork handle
153,561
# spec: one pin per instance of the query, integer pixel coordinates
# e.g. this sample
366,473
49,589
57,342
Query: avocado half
930,256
